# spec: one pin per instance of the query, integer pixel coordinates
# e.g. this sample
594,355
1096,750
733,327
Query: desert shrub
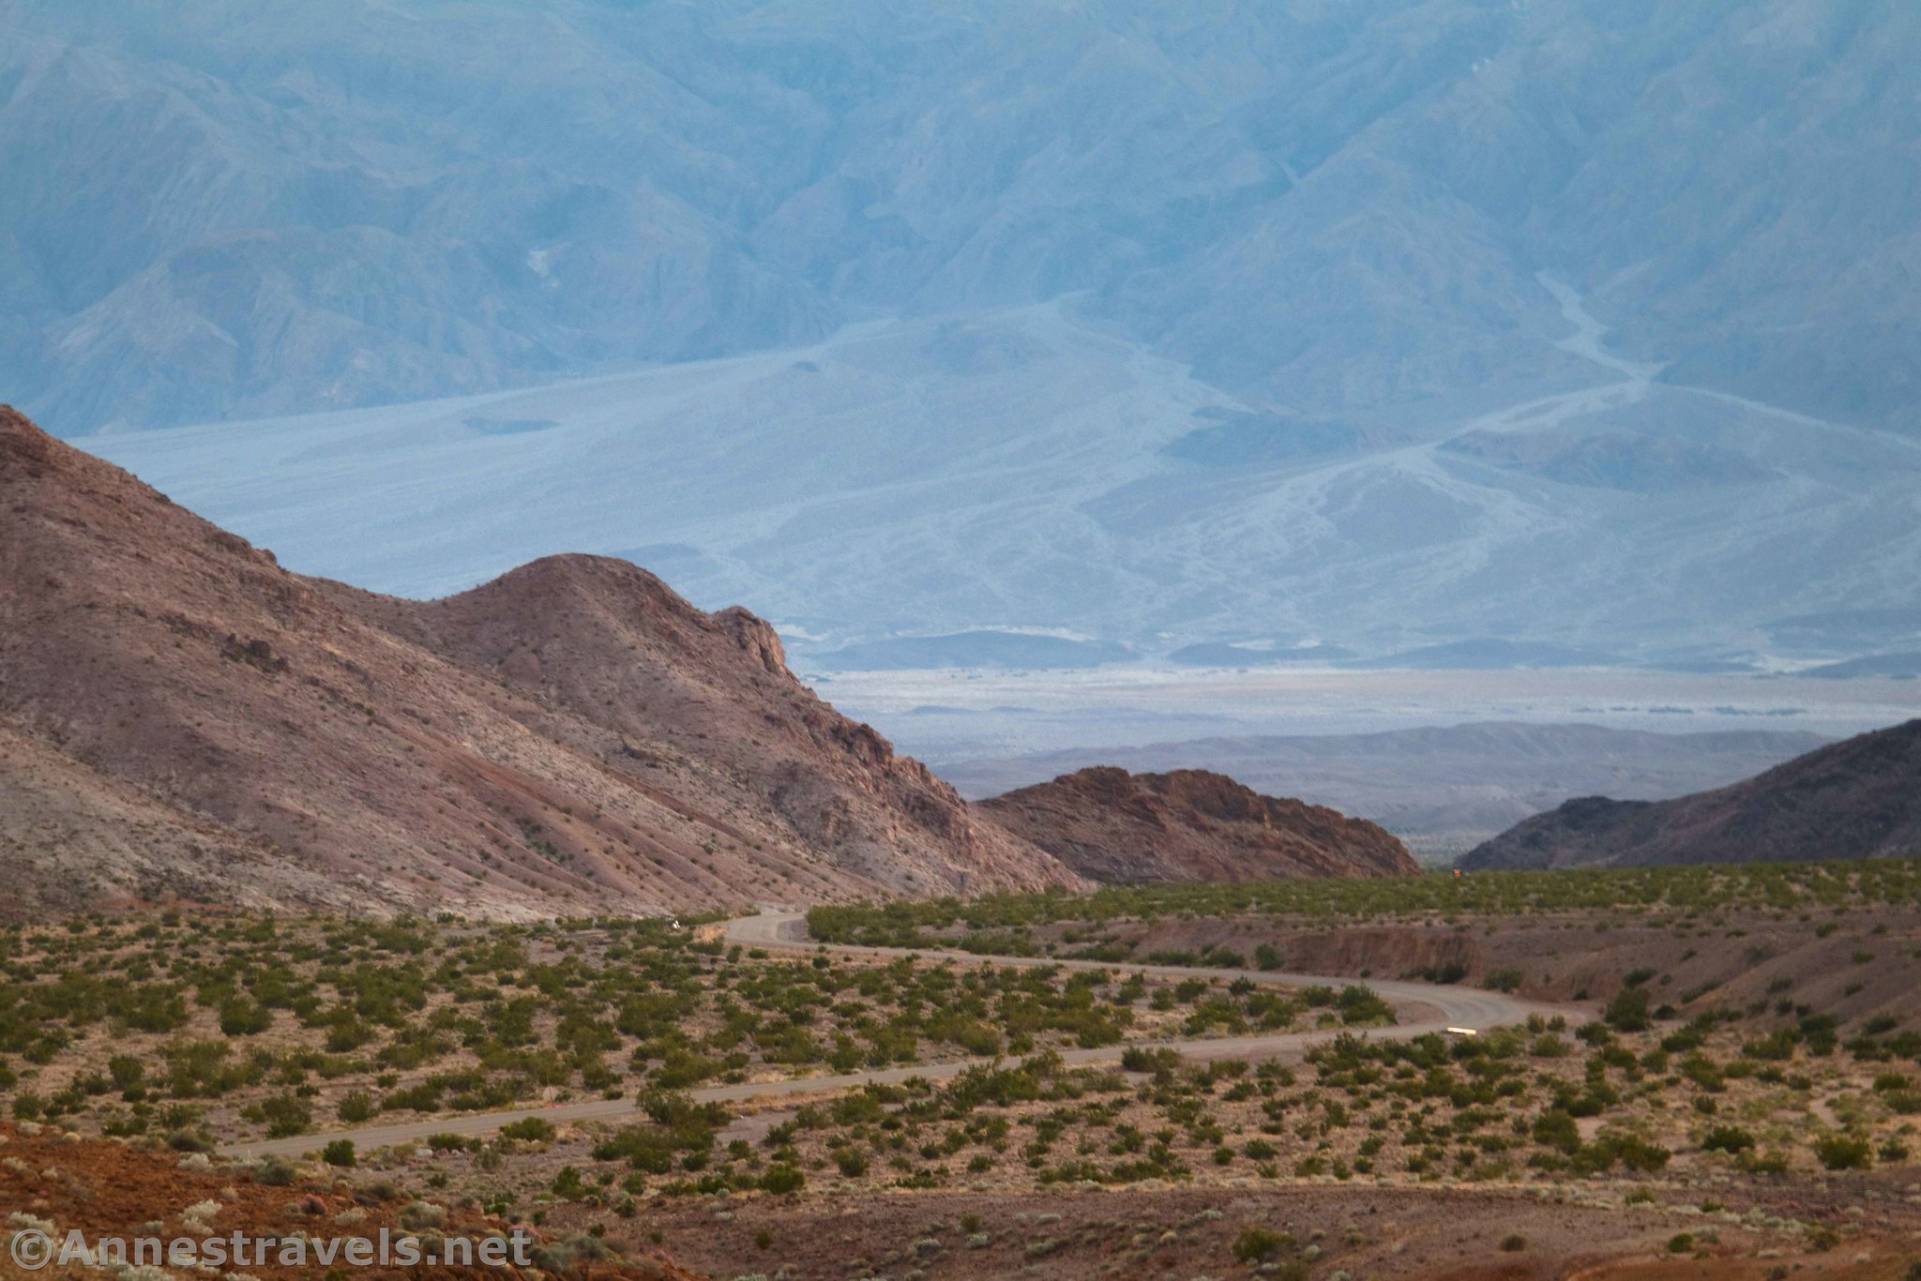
274,1172
202,1069
339,1153
531,1129
572,1255
781,1179
1613,1147
1755,1163
1819,1034
1360,1005
1255,1245
1844,1152
1776,1047
1704,1072
347,1034
286,1115
1140,1059
1628,1011
1557,1130
677,1126
1727,1138
242,1017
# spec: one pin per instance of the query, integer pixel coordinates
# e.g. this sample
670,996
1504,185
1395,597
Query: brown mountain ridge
1191,825
182,719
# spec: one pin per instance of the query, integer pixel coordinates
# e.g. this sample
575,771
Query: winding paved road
1422,1008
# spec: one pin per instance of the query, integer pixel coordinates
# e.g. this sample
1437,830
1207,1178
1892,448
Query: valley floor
1742,1107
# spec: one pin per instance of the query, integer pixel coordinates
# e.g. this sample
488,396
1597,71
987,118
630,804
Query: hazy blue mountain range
222,208
1544,326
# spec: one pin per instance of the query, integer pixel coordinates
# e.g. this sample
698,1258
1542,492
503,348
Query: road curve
1423,1007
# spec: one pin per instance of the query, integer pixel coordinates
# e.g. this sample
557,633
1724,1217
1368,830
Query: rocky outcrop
1191,825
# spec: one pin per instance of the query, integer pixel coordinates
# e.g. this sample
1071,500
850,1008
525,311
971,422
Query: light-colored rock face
1191,825
183,719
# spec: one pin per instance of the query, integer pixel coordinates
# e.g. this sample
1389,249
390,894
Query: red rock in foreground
1191,825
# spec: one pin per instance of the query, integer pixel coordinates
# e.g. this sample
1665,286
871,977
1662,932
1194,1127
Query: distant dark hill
1860,798
1190,825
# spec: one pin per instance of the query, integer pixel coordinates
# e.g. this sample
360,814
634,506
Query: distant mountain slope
182,718
262,209
1859,798
1444,786
1190,825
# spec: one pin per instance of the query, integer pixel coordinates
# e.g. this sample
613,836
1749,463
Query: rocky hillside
1860,798
182,719
1191,825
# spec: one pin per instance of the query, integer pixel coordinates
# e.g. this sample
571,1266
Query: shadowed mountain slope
1859,798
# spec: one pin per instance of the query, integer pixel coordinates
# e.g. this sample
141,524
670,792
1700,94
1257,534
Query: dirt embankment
1850,965
1399,1234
